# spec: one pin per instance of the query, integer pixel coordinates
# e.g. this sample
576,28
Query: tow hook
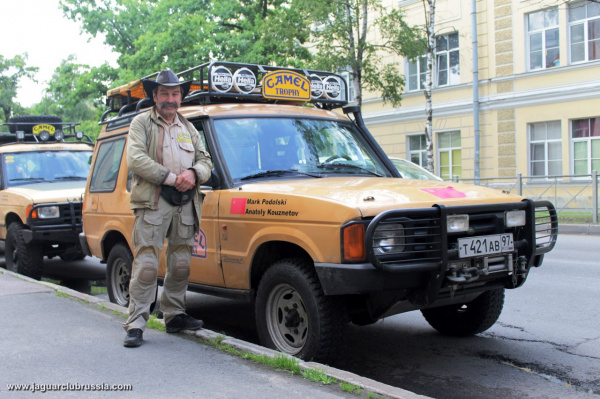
463,275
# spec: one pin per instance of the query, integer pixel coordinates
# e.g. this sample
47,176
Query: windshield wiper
278,172
28,179
347,165
70,178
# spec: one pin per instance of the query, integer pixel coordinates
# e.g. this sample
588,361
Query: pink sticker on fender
238,206
446,192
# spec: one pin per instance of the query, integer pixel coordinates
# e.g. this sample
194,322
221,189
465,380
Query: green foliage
11,72
151,35
341,32
348,387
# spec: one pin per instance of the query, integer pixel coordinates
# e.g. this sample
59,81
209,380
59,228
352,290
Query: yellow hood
373,195
49,192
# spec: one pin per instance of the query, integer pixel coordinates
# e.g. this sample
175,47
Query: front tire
22,258
118,274
294,316
461,320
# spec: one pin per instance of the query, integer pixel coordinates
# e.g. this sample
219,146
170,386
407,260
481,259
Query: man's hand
186,180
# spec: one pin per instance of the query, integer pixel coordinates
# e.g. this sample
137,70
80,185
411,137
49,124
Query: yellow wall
511,97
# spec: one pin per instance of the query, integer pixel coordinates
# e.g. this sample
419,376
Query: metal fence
574,196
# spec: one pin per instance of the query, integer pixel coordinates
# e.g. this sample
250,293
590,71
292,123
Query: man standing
169,163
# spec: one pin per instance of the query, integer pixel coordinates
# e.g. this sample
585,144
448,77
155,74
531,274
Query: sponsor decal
286,85
199,249
239,206
446,192
221,79
184,137
37,129
244,80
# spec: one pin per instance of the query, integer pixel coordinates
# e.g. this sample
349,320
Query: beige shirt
178,149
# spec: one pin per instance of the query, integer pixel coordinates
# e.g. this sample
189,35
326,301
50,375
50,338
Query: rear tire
461,320
118,274
294,316
22,258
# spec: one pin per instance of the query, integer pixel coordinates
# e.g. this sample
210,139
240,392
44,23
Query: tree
340,34
11,73
430,35
151,35
75,93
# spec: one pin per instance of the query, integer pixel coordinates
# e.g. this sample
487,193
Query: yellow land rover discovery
306,216
44,164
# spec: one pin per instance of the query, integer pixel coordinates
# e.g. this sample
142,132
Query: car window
322,147
106,168
45,166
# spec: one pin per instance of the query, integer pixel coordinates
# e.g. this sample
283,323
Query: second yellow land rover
306,216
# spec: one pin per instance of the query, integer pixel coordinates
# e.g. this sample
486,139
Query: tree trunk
430,25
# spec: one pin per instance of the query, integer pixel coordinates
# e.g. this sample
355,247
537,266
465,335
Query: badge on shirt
184,137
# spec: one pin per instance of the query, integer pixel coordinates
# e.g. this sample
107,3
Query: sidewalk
53,336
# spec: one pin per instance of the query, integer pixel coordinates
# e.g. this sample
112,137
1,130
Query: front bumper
431,262
64,229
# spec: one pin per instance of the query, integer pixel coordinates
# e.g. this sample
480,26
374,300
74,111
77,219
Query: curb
343,376
588,229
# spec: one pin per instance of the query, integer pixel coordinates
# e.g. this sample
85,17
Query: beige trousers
150,229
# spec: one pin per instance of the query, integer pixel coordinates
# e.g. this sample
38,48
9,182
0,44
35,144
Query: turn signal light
354,242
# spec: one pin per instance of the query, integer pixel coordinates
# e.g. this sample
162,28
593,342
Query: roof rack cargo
225,82
41,129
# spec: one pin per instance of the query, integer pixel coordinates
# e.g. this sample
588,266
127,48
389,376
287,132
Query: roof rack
41,132
226,82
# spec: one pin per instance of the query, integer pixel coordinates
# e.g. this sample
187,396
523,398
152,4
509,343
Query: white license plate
485,245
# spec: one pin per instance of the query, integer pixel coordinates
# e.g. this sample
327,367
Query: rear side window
106,168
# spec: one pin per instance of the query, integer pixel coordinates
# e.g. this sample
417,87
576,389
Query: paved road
545,344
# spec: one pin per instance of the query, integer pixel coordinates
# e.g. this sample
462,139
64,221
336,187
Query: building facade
539,90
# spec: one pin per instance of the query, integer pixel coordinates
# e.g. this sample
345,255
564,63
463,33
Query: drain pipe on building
475,89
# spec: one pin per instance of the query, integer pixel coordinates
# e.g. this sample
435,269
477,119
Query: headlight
48,212
389,239
514,218
457,223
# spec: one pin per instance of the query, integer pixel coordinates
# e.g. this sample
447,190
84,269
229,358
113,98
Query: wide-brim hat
166,77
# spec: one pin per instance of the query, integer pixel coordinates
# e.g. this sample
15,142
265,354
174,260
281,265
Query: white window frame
545,142
420,75
421,153
451,79
546,61
585,24
449,150
588,140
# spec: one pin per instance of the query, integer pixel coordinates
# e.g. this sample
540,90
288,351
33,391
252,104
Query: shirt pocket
186,151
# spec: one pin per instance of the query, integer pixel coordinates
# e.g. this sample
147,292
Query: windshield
410,170
271,147
44,166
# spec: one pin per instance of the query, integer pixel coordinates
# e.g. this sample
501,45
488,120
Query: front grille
70,217
419,241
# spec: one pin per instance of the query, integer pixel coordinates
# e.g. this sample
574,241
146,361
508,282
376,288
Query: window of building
447,64
545,149
447,67
416,73
585,134
417,149
584,31
542,39
449,155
